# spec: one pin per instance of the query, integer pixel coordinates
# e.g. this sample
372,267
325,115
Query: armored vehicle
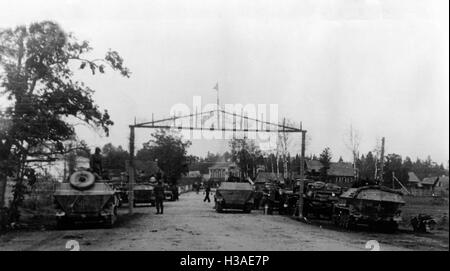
234,195
85,199
374,205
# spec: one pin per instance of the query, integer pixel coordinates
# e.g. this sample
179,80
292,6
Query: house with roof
442,185
429,182
340,173
265,177
220,171
313,168
429,185
413,180
194,173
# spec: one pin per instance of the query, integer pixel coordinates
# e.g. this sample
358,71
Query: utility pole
131,172
278,169
285,163
381,161
302,175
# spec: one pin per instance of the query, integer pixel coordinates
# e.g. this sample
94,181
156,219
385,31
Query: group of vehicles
87,197
373,205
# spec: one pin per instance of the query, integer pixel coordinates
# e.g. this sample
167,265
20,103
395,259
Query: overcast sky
381,66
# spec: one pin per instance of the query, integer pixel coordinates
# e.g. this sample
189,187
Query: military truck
144,194
374,205
234,195
168,193
85,199
319,198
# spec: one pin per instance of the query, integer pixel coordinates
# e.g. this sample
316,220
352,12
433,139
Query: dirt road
190,224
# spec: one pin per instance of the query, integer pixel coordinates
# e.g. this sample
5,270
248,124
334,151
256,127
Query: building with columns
222,170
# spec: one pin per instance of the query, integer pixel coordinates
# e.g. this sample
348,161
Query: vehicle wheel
248,209
82,180
335,220
112,218
345,221
219,207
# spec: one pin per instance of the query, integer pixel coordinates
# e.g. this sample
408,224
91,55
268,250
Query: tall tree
367,167
393,165
37,65
245,153
169,150
325,158
114,157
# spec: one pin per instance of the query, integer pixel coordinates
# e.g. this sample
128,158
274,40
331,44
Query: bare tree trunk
3,217
3,180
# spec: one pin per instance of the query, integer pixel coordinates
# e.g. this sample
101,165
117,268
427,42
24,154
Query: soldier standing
159,197
207,190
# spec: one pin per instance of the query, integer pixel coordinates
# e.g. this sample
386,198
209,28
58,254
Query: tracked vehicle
85,199
375,206
234,195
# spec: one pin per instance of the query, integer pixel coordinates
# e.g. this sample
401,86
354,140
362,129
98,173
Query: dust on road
191,224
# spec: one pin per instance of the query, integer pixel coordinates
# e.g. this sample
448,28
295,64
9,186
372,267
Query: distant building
428,186
340,173
429,182
264,177
442,185
195,173
313,168
222,170
413,180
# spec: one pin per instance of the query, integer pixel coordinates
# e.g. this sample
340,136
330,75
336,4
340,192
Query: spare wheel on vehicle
82,180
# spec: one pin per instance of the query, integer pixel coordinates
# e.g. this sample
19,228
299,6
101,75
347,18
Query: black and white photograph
223,126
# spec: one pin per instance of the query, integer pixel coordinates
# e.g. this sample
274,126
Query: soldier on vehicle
96,163
159,197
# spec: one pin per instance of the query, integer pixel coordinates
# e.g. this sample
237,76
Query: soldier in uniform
207,190
159,197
